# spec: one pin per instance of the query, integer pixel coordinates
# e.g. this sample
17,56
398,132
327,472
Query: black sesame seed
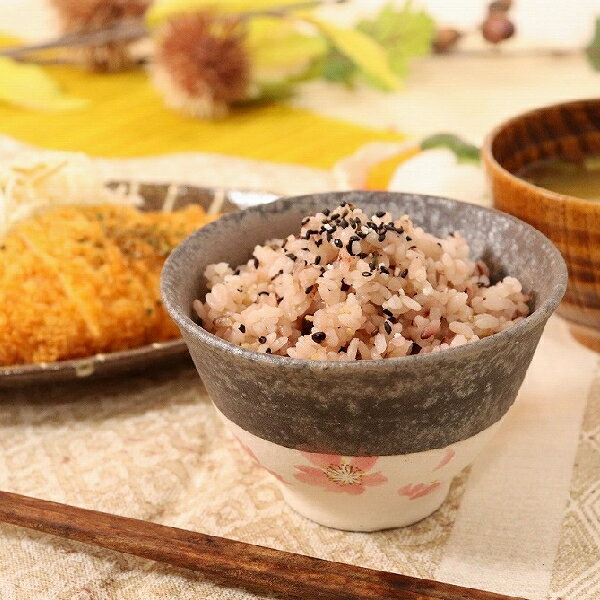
242,328
305,220
361,234
343,349
480,284
439,244
326,212
399,230
366,274
262,339
354,238
372,265
384,269
349,248
404,273
415,349
236,272
380,214
393,320
255,260
338,243
319,336
309,289
240,289
412,248
371,225
322,270
363,255
381,237
335,217
342,204
292,256
263,293
358,221
343,223
318,259
306,326
268,350
408,238
318,243
387,327
388,312
345,286
329,235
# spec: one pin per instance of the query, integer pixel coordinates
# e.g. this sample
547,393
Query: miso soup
579,179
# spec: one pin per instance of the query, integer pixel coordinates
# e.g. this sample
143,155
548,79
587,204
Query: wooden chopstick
227,562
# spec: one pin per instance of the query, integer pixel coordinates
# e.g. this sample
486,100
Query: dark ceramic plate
146,357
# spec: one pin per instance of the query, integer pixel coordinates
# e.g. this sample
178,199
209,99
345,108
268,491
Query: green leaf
278,51
30,86
161,10
465,152
368,55
404,33
338,68
593,48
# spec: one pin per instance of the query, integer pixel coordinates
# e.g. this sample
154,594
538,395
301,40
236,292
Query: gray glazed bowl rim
178,313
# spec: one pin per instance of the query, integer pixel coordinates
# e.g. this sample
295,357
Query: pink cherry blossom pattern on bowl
450,454
340,474
253,456
413,491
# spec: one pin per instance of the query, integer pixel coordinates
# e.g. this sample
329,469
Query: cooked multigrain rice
350,287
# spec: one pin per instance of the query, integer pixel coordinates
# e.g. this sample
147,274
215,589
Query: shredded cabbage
35,181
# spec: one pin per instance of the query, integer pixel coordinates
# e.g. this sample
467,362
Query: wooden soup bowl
571,131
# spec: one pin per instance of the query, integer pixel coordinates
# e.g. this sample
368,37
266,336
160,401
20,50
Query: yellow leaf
30,86
362,50
161,10
279,51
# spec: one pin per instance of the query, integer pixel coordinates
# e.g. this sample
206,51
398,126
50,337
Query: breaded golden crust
75,281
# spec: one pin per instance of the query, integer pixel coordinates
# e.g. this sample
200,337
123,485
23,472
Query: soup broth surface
579,179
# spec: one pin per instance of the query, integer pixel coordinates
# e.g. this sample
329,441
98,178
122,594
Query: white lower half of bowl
362,493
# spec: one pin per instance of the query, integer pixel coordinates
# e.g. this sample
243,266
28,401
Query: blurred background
469,91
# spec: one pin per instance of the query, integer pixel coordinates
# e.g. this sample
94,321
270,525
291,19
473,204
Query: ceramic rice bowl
367,445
